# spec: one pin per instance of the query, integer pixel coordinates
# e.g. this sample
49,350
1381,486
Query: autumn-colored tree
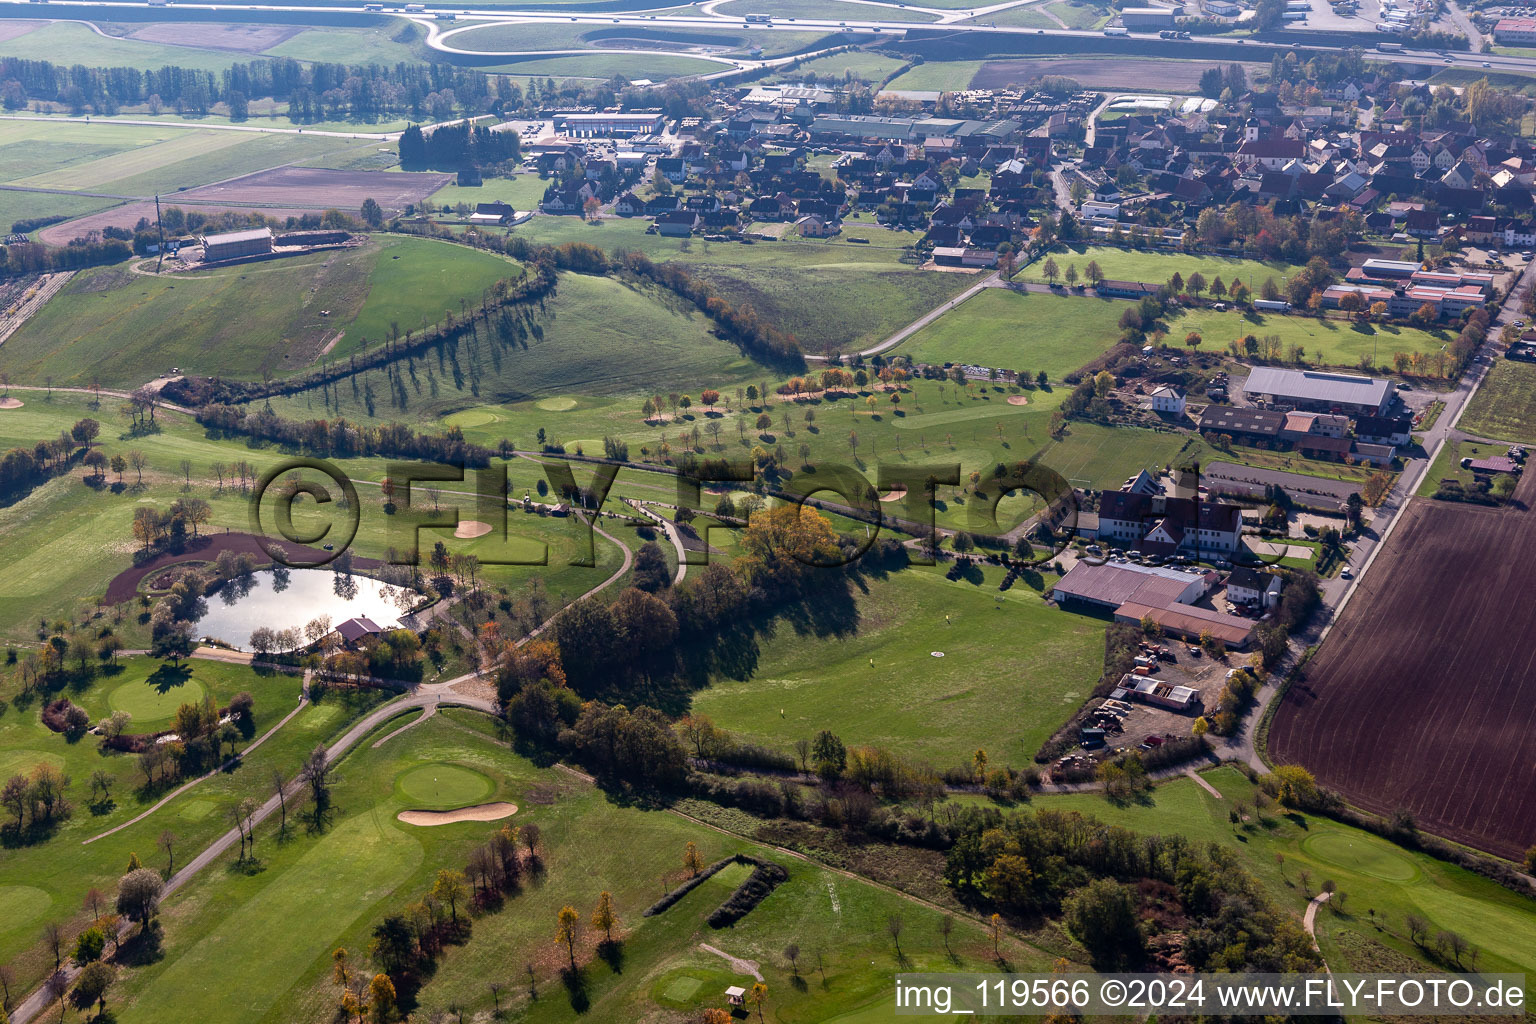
341,967
569,922
603,917
995,924
449,887
381,999
692,859
757,997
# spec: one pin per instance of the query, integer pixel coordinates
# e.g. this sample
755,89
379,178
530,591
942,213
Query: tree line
453,147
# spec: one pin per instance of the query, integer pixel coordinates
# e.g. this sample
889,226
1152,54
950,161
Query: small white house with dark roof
1169,400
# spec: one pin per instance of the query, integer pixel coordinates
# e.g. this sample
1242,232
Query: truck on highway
1389,47
373,7
758,19
1117,30
415,8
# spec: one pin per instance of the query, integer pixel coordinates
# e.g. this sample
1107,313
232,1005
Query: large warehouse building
1147,17
1316,391
234,244
587,125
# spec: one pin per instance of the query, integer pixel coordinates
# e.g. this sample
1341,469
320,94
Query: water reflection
289,598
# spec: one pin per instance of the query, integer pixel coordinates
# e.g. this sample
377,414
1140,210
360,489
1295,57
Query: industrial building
235,244
1137,18
1517,31
589,125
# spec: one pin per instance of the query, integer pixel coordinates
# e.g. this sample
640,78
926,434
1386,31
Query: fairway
148,703
470,418
1014,669
1019,331
562,404
439,786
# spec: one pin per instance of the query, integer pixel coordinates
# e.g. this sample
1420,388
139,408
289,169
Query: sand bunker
11,403
895,494
480,812
470,528
1018,400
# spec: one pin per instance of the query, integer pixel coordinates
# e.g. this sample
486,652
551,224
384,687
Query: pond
288,598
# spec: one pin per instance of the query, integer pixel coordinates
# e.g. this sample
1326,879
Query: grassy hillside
120,327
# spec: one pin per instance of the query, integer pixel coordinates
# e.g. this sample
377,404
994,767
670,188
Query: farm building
1318,391
1492,464
234,244
1242,423
1164,595
1111,584
1161,525
1151,691
1249,586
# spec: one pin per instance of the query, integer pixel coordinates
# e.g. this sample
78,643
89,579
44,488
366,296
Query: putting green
471,418
147,703
22,903
1369,857
439,786
562,404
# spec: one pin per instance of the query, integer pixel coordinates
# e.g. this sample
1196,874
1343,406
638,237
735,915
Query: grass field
1447,466
390,43
1157,267
871,67
16,206
67,43
816,9
1019,331
942,76
369,864
1333,342
1383,882
1505,405
140,160
1013,669
523,191
119,327
1017,17
1079,15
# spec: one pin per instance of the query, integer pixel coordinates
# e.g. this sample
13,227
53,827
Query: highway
451,36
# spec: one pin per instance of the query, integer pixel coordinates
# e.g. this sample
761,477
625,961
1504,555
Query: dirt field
1105,73
319,188
127,215
12,29
240,38
1424,695
285,192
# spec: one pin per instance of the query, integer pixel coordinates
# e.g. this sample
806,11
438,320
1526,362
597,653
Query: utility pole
160,227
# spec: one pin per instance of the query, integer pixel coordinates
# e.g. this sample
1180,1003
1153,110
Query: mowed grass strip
1012,668
181,144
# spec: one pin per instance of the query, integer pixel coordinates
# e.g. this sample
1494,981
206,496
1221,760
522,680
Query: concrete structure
1154,691
1318,391
235,244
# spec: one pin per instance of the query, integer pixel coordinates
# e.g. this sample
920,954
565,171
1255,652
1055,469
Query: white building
1168,399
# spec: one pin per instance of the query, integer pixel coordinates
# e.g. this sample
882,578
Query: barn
235,244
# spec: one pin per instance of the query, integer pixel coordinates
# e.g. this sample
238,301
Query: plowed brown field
1424,695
